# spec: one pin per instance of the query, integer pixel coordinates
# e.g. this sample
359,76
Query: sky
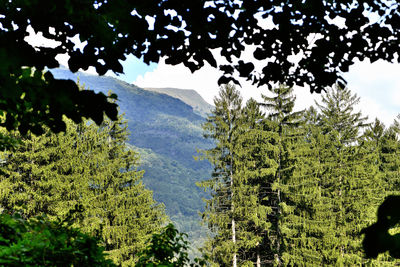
377,84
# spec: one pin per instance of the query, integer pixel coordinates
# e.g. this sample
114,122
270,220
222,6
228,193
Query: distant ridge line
188,96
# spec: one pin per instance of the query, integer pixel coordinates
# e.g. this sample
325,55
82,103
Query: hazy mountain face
190,97
165,126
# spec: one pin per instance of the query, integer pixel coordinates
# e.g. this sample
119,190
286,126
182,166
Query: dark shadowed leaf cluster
377,237
327,37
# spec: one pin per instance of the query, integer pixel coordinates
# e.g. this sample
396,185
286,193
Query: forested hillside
166,132
287,187
283,187
190,97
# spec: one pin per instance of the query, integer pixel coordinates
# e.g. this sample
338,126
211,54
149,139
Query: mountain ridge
188,96
166,132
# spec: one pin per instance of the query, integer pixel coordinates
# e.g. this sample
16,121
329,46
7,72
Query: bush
169,248
41,242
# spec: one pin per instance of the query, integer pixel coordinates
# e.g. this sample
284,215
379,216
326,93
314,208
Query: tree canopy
91,167
41,242
296,42
300,188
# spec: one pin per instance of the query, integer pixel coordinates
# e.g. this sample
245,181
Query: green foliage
239,214
8,142
166,133
29,100
381,238
304,186
88,165
338,115
334,187
169,248
43,242
388,147
222,126
288,128
26,103
353,176
256,166
378,238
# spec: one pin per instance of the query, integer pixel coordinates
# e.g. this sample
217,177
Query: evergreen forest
165,129
271,185
296,188
287,188
90,167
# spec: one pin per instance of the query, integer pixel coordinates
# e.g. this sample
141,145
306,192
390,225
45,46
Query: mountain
165,128
190,97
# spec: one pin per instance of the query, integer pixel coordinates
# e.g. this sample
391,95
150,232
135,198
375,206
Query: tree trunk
258,263
234,260
278,245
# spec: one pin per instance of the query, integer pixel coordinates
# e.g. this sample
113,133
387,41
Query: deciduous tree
327,38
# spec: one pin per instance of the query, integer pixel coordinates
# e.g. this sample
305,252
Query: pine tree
90,166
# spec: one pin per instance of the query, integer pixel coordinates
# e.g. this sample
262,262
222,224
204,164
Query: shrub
41,242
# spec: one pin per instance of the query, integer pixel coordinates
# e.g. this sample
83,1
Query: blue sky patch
133,67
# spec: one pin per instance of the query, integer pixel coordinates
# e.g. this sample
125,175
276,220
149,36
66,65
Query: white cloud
377,85
204,81
38,40
373,109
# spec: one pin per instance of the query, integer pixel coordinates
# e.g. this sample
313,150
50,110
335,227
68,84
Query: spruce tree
287,124
351,183
244,160
385,144
302,222
390,157
256,167
221,209
338,115
89,166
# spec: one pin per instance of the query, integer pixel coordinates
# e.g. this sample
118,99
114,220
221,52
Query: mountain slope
166,132
190,97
